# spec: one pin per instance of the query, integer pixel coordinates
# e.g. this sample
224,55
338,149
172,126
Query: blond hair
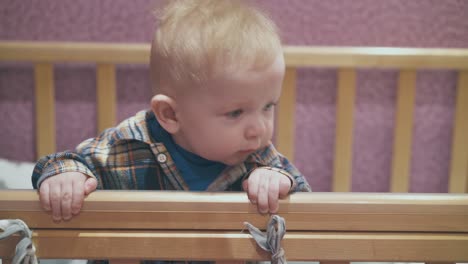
198,39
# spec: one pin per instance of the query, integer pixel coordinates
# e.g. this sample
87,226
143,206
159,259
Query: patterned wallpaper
396,23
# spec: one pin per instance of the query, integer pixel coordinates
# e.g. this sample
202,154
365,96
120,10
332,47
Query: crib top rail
207,226
295,56
228,211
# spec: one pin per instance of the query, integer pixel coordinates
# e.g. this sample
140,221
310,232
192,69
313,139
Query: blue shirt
197,171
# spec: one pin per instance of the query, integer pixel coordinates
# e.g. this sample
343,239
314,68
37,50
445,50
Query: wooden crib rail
295,56
209,226
345,59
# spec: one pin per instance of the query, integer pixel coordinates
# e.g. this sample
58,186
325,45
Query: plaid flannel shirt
127,157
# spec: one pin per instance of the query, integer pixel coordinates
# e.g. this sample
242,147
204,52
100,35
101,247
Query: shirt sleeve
57,163
269,156
88,158
301,183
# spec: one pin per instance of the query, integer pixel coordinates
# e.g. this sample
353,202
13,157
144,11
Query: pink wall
418,23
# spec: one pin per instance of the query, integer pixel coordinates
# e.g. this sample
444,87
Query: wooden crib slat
342,221
402,144
218,245
51,51
458,179
45,109
302,211
106,96
376,57
285,122
295,56
344,130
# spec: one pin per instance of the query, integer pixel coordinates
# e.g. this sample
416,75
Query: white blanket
15,174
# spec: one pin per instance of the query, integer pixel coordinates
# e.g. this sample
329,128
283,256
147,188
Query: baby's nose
255,129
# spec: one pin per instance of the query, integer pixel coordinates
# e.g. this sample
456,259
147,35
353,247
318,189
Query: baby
216,68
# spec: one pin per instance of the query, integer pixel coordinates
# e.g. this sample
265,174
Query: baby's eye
269,106
235,113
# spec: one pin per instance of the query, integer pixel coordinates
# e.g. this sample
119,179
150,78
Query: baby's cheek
269,130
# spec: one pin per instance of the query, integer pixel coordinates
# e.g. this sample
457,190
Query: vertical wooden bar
285,125
106,96
403,131
342,167
45,109
458,179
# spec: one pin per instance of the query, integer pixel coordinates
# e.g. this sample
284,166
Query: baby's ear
164,108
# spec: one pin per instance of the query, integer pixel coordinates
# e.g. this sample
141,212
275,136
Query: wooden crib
127,226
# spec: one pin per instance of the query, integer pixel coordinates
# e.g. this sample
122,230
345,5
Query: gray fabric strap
25,252
271,241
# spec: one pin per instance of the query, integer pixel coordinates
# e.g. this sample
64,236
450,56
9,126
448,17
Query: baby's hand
63,194
265,187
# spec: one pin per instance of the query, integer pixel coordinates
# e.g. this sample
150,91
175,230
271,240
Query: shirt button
161,158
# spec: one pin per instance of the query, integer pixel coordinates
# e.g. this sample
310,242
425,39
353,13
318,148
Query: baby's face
233,116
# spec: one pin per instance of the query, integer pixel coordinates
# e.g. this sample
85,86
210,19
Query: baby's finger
262,200
77,197
66,201
273,194
44,196
252,189
90,185
284,187
245,186
55,203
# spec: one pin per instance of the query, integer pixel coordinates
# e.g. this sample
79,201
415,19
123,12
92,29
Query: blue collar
197,171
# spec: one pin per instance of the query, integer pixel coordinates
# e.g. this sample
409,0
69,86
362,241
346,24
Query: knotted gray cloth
25,252
271,241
